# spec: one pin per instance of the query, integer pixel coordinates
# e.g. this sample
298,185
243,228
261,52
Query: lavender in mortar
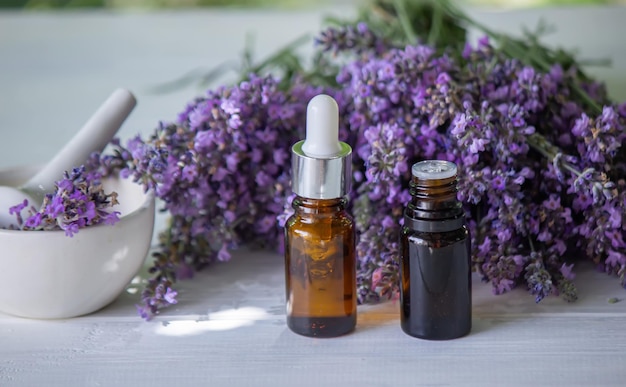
79,201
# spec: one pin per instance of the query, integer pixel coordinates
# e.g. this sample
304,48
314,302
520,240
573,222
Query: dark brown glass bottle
435,266
320,268
320,261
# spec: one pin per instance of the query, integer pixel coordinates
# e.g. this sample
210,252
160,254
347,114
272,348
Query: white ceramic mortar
46,274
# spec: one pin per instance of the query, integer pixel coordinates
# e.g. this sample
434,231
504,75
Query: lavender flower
79,201
483,112
541,176
356,38
223,173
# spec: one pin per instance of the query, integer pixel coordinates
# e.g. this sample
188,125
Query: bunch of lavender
528,202
222,171
537,143
78,201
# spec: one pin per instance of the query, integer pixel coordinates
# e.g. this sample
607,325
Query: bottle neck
307,206
434,206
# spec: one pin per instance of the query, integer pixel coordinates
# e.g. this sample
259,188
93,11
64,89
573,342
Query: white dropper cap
322,127
321,165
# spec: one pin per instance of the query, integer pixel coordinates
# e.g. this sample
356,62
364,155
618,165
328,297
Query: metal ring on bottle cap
434,170
321,178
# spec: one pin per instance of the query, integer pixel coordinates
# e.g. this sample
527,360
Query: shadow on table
251,278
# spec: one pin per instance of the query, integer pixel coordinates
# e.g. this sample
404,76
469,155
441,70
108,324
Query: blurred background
59,59
129,4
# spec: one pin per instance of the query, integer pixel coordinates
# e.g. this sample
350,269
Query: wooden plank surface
229,329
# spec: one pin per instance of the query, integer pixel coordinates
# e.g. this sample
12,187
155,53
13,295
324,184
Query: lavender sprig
79,201
356,39
222,171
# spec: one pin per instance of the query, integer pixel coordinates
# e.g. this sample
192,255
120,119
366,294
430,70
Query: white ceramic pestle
95,134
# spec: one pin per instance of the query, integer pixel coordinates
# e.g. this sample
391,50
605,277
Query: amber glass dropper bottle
320,262
435,268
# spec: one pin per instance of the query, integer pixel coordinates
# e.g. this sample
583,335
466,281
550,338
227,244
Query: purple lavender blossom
223,170
483,123
79,201
357,38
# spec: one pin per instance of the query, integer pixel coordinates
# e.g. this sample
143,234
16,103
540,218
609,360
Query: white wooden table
229,327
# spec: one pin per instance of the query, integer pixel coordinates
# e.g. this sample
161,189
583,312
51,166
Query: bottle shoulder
312,209
342,219
459,234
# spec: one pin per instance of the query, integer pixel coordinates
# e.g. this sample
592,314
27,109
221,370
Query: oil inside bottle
320,269
435,266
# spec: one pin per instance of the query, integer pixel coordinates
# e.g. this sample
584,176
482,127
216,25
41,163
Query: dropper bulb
322,127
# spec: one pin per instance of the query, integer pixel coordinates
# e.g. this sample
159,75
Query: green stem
276,58
435,30
549,151
531,244
402,13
